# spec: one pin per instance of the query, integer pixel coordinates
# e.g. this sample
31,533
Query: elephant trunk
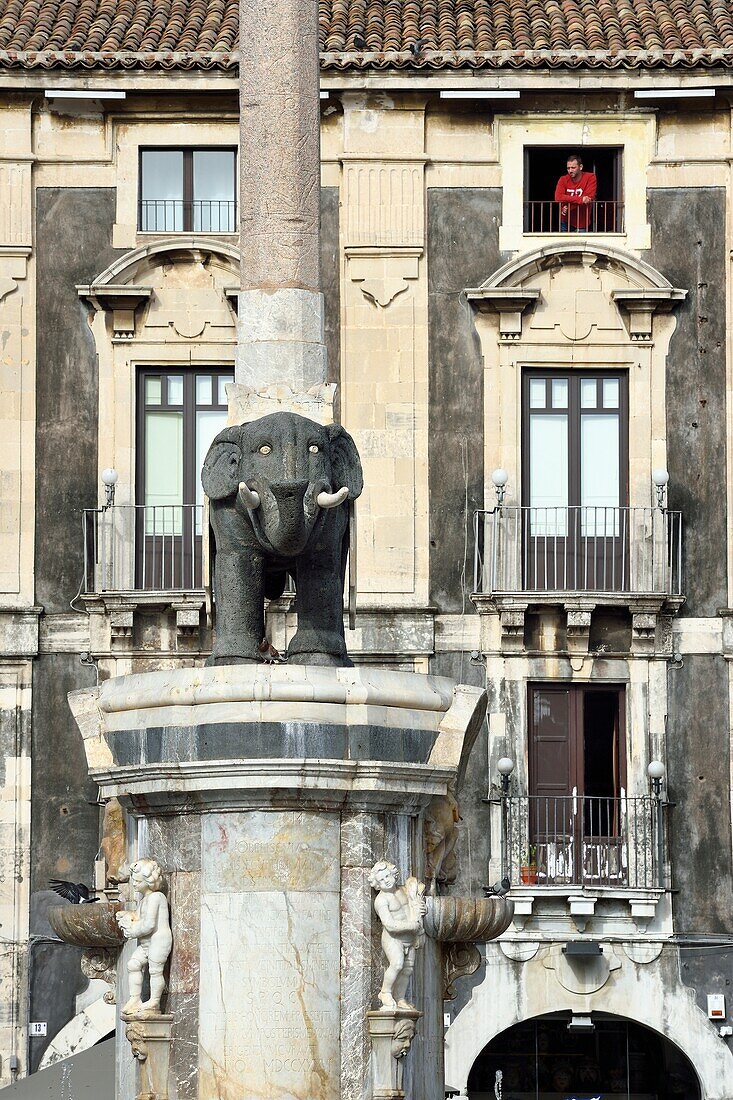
284,519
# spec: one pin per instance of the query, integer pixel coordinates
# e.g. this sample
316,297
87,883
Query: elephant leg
319,639
239,588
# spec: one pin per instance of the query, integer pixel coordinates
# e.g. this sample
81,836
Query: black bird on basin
75,892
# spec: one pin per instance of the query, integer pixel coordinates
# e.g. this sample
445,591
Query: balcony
143,548
546,216
181,216
600,551
584,841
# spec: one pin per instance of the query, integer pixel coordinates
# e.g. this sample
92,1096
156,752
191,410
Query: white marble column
281,337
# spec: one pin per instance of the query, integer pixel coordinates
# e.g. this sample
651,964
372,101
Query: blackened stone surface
55,981
73,245
331,278
463,251
258,740
688,248
698,776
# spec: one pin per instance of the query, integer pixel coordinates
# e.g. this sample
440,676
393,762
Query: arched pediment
187,283
574,289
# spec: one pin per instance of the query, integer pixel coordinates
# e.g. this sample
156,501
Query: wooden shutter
552,771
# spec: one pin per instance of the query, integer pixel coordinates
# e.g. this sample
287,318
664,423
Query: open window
581,824
187,190
545,165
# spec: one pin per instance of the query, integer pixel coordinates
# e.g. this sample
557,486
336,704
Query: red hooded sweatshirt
570,193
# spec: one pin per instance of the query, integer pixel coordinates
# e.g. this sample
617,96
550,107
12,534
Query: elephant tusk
249,496
332,500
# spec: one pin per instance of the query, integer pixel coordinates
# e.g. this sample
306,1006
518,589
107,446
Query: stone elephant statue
280,490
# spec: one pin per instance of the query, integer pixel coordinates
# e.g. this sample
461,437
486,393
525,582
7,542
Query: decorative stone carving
401,909
440,836
101,963
114,842
391,1032
578,629
459,960
90,926
150,926
467,920
582,976
150,1041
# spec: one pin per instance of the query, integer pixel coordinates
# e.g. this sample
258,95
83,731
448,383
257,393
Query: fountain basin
467,920
88,925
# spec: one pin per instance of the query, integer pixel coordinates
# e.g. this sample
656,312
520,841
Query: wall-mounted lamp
109,480
656,771
505,767
500,478
660,478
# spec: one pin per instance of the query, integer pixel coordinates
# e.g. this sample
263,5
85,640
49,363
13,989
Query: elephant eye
314,448
265,449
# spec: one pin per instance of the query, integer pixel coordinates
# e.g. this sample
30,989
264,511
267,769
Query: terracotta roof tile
376,34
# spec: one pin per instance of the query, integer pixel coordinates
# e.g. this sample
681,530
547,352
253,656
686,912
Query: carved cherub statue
401,910
150,926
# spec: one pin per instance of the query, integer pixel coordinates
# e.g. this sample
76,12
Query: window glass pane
161,200
203,389
175,389
208,423
152,391
610,393
213,190
224,380
559,393
536,393
163,473
587,393
548,474
599,475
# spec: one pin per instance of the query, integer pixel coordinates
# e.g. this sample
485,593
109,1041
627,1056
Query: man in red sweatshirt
575,192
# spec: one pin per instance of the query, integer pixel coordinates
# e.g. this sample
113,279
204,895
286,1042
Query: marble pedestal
267,793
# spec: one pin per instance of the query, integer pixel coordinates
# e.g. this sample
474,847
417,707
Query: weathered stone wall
463,250
74,228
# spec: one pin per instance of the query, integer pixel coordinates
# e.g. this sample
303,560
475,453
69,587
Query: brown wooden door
575,455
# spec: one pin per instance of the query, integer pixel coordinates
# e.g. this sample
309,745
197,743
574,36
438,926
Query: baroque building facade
543,413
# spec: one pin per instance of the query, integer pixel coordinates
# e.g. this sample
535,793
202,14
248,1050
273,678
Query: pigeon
78,893
499,889
359,42
416,47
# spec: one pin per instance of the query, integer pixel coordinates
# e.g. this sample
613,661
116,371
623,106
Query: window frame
189,198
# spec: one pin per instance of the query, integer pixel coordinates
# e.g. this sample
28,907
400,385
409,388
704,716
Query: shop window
544,166
187,190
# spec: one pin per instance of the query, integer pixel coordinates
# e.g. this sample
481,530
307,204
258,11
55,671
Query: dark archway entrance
541,1059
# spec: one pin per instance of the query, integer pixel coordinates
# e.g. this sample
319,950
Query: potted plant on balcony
528,866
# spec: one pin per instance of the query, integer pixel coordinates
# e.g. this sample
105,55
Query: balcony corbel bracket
509,302
120,300
641,303
578,628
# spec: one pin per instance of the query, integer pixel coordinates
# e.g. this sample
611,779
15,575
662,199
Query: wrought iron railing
548,216
130,548
196,216
637,551
584,841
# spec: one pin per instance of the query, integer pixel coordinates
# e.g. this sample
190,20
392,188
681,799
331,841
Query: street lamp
500,478
660,478
109,480
505,767
656,771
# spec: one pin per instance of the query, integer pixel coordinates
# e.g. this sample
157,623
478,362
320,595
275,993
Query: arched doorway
544,1059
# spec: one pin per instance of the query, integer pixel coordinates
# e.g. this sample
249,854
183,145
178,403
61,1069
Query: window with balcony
179,413
545,165
577,825
187,190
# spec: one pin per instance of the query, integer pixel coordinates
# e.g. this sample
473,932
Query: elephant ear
220,473
345,461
